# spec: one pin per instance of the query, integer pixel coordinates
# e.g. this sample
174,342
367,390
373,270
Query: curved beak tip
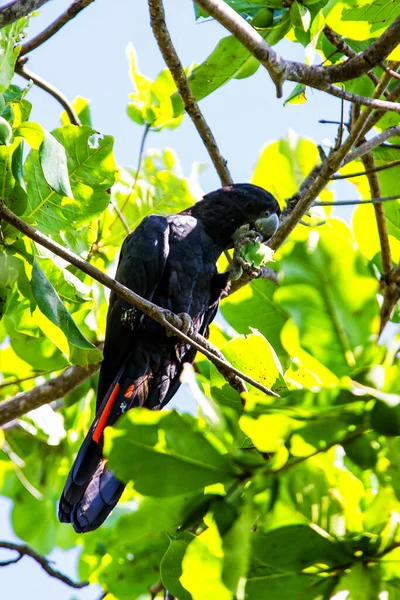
267,226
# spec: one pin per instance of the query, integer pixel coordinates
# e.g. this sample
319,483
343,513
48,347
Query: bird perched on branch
170,261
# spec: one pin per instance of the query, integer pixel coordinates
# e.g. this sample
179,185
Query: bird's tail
92,490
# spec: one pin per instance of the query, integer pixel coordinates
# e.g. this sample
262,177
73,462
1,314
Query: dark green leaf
167,448
82,351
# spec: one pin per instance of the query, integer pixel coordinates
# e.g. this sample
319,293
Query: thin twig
356,202
141,151
24,550
50,89
163,316
161,33
389,165
120,216
376,115
16,381
54,27
392,73
371,144
24,402
12,11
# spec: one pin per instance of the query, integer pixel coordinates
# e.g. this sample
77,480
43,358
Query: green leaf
51,155
167,447
386,419
236,545
253,306
91,168
363,581
81,351
68,287
9,50
243,352
150,102
269,432
276,548
361,20
171,565
5,132
284,164
300,16
11,191
205,555
362,451
324,293
264,583
82,109
297,96
53,160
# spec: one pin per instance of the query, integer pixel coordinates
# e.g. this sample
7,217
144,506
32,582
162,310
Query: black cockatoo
171,261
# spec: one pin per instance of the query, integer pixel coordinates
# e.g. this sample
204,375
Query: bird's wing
142,260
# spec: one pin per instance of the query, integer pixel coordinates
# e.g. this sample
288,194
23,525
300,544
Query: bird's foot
185,326
242,237
240,265
187,323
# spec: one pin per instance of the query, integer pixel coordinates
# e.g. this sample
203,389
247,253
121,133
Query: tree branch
357,202
24,550
50,89
161,33
336,40
369,164
389,165
52,389
392,296
281,70
12,11
366,147
163,316
54,27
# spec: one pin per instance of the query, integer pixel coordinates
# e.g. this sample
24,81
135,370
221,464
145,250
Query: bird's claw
187,323
242,237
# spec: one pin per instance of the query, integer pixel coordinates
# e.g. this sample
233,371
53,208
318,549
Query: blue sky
87,58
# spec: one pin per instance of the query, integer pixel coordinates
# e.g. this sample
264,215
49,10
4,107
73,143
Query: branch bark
24,550
12,11
53,389
161,33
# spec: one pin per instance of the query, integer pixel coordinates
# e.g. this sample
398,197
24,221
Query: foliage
291,497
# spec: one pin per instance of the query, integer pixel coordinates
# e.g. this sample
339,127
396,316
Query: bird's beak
267,226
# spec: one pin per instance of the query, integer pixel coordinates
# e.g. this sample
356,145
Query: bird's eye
267,213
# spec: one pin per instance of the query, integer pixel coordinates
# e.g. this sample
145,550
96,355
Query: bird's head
224,211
